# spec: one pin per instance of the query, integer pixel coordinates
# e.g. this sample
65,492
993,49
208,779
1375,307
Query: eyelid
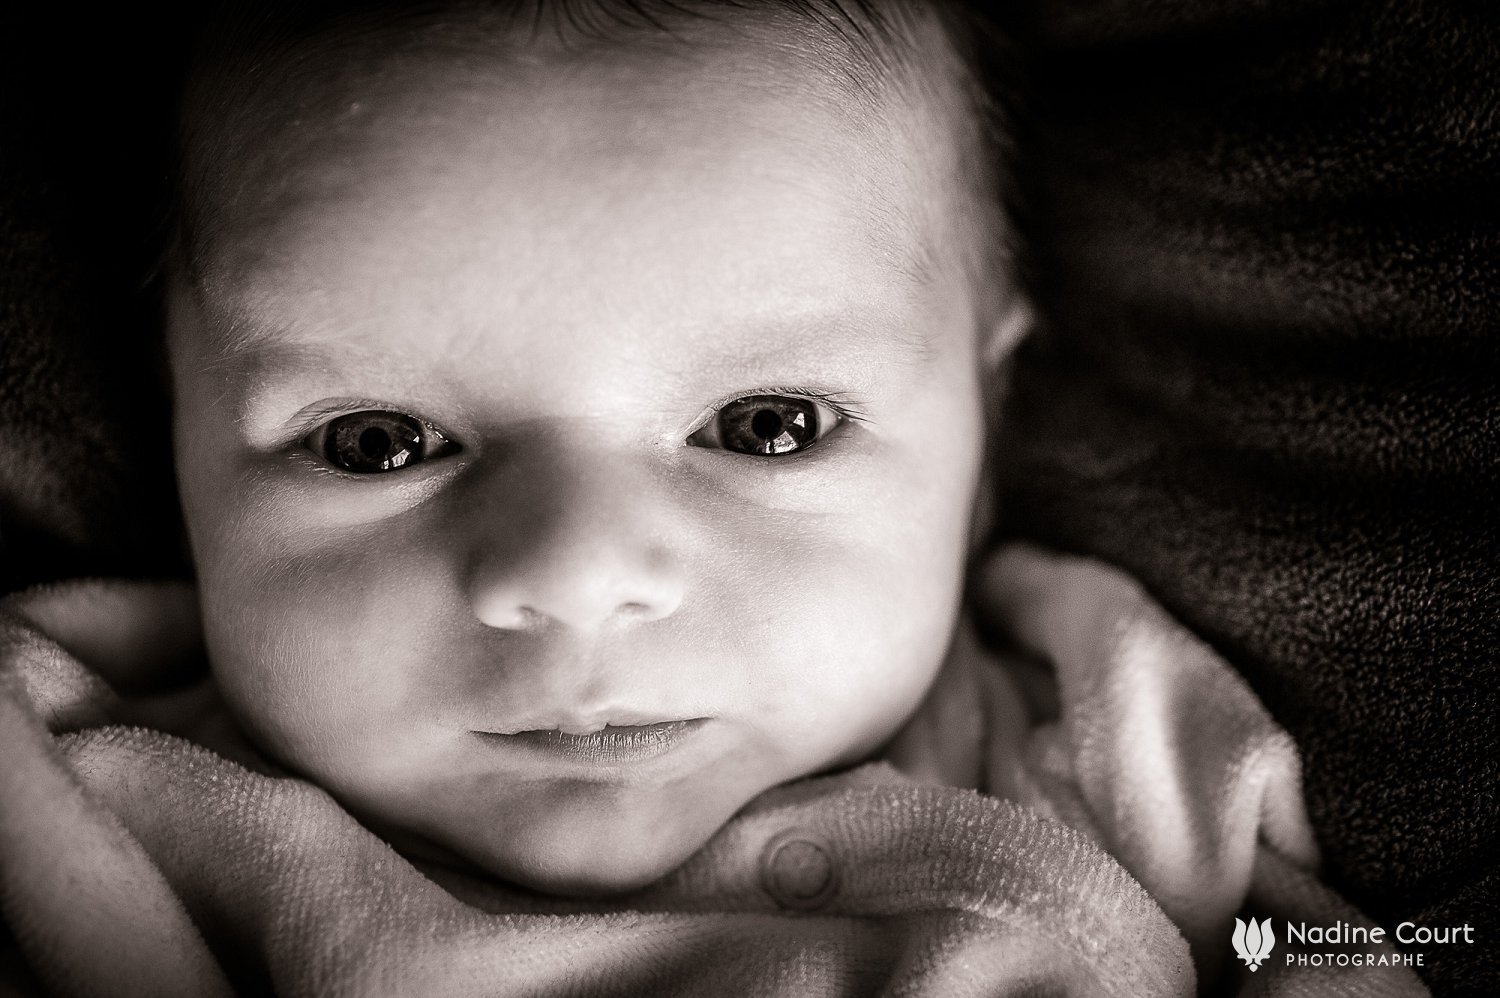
845,404
835,410
311,418
313,424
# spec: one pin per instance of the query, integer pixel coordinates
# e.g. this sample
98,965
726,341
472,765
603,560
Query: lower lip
609,746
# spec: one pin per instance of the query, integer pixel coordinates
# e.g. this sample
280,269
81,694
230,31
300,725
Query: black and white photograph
750,498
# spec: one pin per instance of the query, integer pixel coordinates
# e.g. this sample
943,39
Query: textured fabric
136,862
1263,238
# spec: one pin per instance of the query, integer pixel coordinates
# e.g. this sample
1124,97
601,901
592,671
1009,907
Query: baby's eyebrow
232,333
843,345
238,338
255,371
262,353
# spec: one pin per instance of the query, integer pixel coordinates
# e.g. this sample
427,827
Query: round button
797,869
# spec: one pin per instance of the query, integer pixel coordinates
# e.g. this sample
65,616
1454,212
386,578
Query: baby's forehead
269,111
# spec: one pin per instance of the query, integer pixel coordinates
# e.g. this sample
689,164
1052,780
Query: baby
580,425
580,409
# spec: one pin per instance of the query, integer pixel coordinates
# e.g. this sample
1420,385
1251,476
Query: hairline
873,53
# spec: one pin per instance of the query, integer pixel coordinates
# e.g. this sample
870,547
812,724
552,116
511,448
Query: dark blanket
85,477
1262,235
1264,241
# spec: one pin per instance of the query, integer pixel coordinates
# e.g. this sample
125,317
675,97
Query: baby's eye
767,424
376,441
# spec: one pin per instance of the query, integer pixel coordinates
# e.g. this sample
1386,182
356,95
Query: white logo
1253,942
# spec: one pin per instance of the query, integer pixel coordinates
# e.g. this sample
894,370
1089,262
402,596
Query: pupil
766,424
375,442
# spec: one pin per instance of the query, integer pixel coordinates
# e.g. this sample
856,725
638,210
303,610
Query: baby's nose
580,546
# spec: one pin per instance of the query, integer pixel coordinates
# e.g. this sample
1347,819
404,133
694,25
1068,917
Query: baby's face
574,448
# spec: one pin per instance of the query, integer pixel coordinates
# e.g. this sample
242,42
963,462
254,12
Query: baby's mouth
612,744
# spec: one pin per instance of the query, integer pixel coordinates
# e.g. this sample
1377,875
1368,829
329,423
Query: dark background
1262,239
1264,246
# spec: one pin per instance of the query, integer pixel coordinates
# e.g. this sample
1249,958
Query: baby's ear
1011,324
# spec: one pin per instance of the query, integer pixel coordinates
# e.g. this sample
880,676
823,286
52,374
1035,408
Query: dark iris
767,424
373,441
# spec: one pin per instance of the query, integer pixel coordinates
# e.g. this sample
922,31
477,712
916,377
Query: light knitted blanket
135,862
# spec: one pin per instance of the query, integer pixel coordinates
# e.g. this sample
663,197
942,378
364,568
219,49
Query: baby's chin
586,869
580,845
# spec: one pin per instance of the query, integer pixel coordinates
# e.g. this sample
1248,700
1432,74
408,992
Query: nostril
507,616
643,611
515,616
526,618
582,581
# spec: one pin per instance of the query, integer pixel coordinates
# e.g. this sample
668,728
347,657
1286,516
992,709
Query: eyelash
848,406
308,420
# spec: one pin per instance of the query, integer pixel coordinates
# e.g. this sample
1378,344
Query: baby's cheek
840,662
318,651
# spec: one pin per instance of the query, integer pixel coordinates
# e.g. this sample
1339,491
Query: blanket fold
135,861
